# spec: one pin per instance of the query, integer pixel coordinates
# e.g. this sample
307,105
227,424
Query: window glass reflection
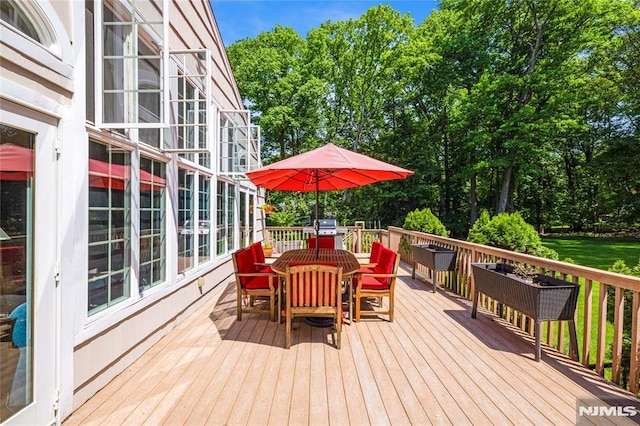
152,223
109,248
185,220
16,288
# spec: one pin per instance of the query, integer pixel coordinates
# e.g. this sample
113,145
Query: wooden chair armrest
368,265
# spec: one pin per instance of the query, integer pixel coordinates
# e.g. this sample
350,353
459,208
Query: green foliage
425,221
477,231
291,206
508,106
509,231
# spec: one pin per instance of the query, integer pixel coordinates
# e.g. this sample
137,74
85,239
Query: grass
595,252
600,253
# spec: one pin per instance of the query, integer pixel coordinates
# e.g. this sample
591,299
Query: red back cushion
245,264
376,249
258,253
325,242
385,264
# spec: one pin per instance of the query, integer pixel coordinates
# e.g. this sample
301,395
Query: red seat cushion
255,283
246,265
373,283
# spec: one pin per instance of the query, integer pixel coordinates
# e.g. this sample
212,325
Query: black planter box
544,298
433,257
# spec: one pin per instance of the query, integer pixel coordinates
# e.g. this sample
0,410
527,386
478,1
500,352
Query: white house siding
49,85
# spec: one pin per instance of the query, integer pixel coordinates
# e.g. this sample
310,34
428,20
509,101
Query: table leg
350,301
538,339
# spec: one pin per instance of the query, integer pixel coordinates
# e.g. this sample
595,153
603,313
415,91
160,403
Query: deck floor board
433,365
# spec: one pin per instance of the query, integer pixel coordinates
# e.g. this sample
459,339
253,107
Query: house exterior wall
47,82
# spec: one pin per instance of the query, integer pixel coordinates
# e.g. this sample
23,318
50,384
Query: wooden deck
432,365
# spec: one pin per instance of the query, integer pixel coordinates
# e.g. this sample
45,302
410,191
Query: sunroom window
152,222
132,73
190,84
239,143
225,217
109,227
204,215
185,220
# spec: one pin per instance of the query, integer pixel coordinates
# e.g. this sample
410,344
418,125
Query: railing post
358,242
588,318
602,330
635,345
618,313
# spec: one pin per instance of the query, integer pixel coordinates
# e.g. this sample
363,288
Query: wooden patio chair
313,291
379,283
253,281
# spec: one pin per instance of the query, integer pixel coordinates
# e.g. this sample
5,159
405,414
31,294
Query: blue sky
239,19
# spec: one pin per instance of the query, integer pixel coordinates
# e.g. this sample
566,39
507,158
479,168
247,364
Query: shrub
425,221
509,231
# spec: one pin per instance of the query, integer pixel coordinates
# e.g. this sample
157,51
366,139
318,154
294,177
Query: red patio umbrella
324,169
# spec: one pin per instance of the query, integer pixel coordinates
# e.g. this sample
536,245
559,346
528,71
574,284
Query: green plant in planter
422,220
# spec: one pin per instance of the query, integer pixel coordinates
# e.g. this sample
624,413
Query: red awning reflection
101,173
16,162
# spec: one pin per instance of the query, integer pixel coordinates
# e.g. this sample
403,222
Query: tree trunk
473,199
504,192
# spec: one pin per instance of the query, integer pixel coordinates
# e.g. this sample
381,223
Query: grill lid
327,223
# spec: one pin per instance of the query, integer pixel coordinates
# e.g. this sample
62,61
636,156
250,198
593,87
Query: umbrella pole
317,221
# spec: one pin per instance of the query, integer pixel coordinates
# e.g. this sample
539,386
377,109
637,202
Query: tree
277,87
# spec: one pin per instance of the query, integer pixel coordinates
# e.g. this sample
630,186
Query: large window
109,227
231,209
190,82
221,218
185,220
204,214
133,66
191,123
225,217
238,143
152,223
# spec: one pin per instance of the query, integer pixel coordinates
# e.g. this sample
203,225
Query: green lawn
598,253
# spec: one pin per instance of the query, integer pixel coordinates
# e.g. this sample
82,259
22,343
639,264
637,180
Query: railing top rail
606,277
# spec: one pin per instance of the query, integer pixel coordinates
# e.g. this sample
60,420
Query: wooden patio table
342,258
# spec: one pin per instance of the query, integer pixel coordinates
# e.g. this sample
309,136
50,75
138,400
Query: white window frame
186,64
231,148
131,89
